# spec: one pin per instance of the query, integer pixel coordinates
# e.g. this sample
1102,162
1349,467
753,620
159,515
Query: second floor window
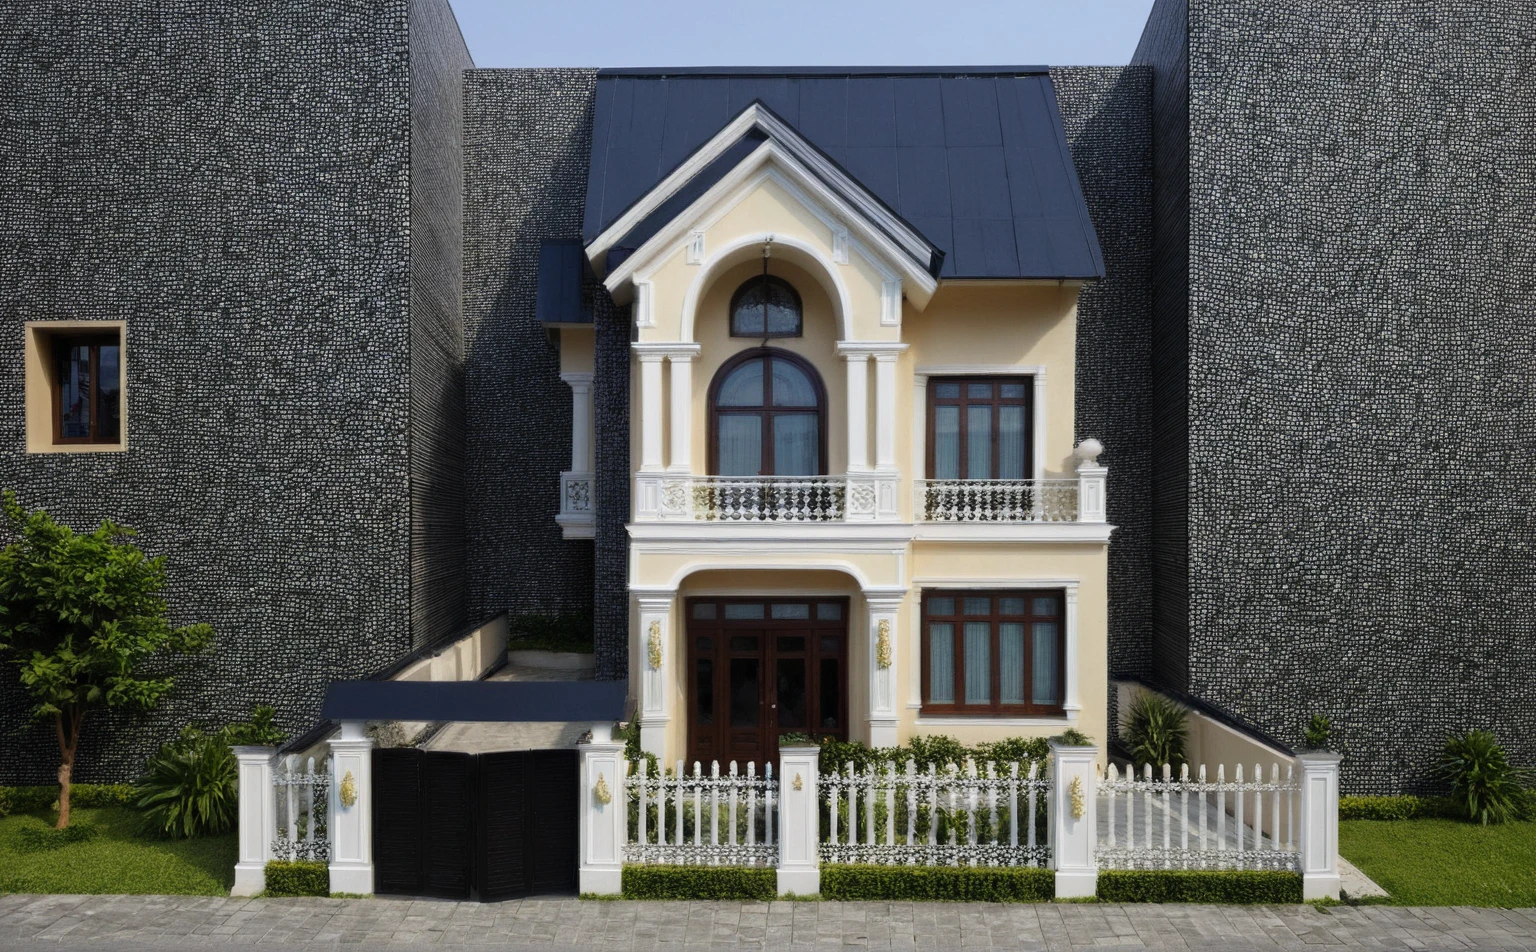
979,428
767,417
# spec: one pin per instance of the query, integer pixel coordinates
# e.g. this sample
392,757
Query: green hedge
699,882
941,883
298,878
1419,808
82,795
1178,885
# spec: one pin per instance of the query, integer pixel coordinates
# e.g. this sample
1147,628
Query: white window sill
981,720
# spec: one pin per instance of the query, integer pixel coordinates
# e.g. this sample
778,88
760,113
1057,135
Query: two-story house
857,509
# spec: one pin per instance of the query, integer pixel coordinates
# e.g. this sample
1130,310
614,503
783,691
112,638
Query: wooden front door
760,667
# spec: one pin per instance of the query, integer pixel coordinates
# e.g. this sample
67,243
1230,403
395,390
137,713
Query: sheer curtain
1010,443
741,444
796,444
941,662
1010,662
978,662
1043,666
946,442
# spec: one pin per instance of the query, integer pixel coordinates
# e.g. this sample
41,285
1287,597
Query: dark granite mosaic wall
234,182
1104,111
1362,373
527,136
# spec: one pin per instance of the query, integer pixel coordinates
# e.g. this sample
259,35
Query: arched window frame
767,410
773,280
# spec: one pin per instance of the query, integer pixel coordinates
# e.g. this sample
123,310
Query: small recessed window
75,387
765,306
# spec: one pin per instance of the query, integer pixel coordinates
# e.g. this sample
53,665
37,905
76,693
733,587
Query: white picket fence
302,802
711,820
955,816
1194,822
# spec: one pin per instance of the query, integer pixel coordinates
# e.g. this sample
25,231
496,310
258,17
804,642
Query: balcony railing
997,500
770,498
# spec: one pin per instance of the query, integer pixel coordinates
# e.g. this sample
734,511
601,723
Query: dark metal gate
483,826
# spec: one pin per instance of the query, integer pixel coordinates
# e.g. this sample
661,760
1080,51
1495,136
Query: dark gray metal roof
975,160
502,701
557,299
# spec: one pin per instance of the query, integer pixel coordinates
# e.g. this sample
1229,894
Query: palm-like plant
1156,731
1483,781
189,787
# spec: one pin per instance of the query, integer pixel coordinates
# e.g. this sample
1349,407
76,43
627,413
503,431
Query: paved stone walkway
153,922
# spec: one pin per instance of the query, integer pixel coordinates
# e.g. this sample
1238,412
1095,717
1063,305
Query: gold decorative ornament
348,790
653,646
883,644
799,784
601,792
1075,791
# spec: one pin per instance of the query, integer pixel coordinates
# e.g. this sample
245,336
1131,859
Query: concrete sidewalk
146,922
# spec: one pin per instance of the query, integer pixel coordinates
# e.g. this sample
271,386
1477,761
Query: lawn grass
1445,862
114,860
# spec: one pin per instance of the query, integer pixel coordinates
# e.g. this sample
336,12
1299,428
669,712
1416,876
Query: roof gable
974,162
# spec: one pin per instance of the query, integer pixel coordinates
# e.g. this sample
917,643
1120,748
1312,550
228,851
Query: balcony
996,500
751,499
576,515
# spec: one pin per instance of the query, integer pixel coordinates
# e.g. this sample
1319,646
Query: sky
801,32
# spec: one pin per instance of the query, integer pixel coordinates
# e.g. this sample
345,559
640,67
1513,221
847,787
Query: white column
1039,425
1070,699
799,822
1092,503
858,411
603,813
258,818
885,410
681,384
656,665
1319,825
650,410
351,825
581,421
883,644
1071,809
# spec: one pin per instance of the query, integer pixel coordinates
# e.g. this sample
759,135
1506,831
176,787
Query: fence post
799,822
1072,813
350,825
604,812
258,819
1319,825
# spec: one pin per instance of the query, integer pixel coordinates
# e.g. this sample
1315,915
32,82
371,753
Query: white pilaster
351,826
885,409
1039,424
603,814
1092,502
1071,808
657,666
883,608
1070,699
799,822
1319,825
650,409
858,411
258,818
581,421
680,459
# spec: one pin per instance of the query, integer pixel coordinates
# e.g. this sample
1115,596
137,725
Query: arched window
765,306
767,417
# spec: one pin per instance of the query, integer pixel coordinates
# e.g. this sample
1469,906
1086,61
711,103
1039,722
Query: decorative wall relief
653,646
883,643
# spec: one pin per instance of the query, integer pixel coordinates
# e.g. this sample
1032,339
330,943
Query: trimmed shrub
5,802
189,787
1486,787
40,838
1189,885
937,883
700,882
303,877
87,795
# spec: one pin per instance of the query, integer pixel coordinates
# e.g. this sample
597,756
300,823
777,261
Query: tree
82,618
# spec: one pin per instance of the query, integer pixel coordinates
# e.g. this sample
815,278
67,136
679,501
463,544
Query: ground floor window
993,652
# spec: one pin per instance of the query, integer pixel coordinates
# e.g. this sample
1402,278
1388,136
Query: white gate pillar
258,818
799,822
1071,812
882,646
604,813
351,824
656,667
1319,825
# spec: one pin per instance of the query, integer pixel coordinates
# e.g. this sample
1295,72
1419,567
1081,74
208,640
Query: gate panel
448,802
502,854
553,780
397,816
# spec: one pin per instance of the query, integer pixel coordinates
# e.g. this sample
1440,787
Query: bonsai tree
82,618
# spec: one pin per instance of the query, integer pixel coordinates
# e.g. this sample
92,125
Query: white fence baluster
1013,805
1258,807
771,798
698,803
1237,818
834,787
1029,818
291,768
1184,813
714,806
1202,816
1290,814
912,809
643,772
751,803
933,806
890,803
1130,810
1274,810
1146,801
853,805
677,797
734,791
869,807
1167,812
1221,806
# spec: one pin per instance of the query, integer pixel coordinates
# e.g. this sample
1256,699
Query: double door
761,667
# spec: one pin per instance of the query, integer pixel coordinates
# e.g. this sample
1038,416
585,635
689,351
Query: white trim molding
884,607
654,611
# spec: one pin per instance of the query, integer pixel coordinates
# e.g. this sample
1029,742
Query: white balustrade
709,819
997,500
301,808
942,816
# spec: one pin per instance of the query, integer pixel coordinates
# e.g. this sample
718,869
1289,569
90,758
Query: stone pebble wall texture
527,138
231,181
1104,112
1362,353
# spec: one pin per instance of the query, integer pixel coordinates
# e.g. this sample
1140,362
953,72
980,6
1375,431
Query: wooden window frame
1027,402
58,345
767,411
994,618
771,279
